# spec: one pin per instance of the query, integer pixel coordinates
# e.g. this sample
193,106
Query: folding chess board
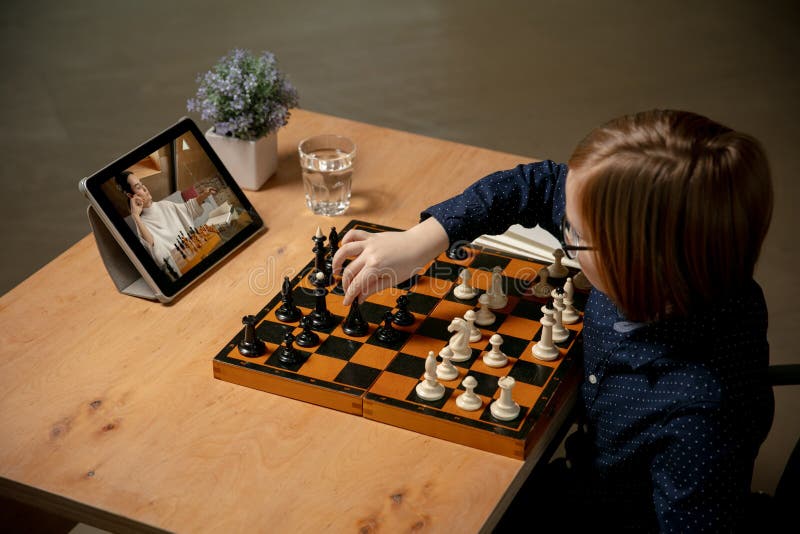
364,377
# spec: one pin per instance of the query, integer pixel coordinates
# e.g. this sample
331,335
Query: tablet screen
175,205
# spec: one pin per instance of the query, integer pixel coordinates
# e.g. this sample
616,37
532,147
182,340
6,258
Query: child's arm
527,194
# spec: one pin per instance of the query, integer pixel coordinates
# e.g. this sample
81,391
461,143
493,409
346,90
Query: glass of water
327,164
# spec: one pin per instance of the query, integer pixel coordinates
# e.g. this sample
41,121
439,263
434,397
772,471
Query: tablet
166,213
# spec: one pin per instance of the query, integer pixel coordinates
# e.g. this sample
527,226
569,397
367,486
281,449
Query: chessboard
376,376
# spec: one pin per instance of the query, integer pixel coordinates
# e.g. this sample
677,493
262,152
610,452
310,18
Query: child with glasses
666,212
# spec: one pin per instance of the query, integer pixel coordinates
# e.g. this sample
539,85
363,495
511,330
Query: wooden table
110,414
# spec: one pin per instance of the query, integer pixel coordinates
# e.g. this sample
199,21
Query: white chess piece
495,357
468,400
464,290
542,288
560,333
497,299
474,333
570,314
445,370
581,282
430,389
557,269
484,316
544,349
505,408
459,341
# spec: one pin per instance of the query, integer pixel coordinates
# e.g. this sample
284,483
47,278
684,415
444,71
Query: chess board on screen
480,348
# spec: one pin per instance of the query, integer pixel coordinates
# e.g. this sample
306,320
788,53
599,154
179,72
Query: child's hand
385,259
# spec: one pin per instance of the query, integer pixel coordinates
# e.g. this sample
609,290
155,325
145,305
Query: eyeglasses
570,240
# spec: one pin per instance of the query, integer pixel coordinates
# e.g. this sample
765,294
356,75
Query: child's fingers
346,251
352,271
373,282
355,235
368,281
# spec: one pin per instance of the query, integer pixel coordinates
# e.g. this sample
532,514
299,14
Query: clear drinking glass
327,164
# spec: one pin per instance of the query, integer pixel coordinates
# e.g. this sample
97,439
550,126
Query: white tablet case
122,270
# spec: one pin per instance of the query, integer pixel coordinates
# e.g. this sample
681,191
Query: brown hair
675,205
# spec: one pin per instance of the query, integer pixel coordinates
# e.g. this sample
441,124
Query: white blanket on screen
165,219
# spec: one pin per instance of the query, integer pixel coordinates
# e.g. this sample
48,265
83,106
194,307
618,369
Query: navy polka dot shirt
676,409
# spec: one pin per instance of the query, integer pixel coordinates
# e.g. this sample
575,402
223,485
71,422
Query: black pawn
307,338
250,345
403,317
288,312
386,333
355,325
321,318
288,354
457,251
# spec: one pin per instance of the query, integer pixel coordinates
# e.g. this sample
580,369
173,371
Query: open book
221,215
534,243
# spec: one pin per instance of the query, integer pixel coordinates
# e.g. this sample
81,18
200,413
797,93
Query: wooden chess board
367,378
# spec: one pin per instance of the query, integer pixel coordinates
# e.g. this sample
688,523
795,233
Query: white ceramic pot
251,163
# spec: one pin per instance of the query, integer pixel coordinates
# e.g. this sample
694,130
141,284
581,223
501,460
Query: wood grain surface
110,413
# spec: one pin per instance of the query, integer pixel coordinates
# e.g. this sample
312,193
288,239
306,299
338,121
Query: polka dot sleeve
528,194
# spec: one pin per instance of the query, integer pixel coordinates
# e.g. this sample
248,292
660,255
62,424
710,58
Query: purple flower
244,95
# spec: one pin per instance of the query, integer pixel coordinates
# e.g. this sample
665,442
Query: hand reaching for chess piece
387,258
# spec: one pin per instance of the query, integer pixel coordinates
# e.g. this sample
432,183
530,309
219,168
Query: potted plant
248,99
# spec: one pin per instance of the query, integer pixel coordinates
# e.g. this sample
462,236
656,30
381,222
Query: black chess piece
250,345
321,317
403,317
320,251
355,325
287,353
288,312
457,251
333,246
386,333
307,338
169,269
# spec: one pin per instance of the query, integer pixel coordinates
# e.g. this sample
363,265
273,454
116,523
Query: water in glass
327,177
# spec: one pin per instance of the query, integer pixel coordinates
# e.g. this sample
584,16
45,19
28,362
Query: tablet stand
122,270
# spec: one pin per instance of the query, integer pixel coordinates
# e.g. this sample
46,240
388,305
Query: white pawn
581,282
505,408
464,290
570,314
544,349
560,334
468,400
557,269
542,288
445,370
430,389
495,357
497,299
484,316
474,333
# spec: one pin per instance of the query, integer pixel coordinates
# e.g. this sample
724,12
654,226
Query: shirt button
592,379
